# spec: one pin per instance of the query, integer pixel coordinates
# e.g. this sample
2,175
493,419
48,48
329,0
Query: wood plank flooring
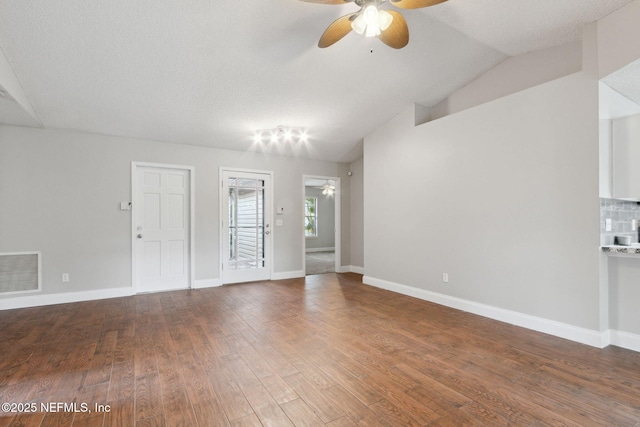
321,351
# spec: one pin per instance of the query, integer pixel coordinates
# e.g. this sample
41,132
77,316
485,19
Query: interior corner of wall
422,114
405,119
10,82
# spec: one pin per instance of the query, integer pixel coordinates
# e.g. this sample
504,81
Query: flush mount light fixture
371,21
280,134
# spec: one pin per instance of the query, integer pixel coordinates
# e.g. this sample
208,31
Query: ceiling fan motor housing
363,3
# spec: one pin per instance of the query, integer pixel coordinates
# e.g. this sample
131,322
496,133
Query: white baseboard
551,327
63,298
319,249
625,340
287,275
351,269
356,269
207,283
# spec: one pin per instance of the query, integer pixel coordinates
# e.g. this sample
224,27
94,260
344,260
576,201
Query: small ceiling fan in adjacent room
387,25
328,189
328,186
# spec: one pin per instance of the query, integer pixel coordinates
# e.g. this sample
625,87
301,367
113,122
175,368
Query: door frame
337,218
134,185
221,211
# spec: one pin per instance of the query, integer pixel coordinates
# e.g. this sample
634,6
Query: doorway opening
321,233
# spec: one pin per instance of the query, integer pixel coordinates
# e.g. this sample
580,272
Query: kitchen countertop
617,249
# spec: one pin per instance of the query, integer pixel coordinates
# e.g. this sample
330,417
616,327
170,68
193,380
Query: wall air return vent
19,272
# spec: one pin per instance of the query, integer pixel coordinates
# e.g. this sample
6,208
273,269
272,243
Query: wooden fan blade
397,35
415,4
328,1
337,30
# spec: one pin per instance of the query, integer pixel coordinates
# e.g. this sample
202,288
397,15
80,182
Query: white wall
60,194
617,36
503,197
357,213
514,74
326,221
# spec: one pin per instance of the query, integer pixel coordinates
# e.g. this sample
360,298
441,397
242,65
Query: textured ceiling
212,73
519,26
626,81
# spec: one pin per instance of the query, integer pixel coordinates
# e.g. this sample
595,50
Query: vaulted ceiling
211,73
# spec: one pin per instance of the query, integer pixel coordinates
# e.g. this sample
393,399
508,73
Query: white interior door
246,228
161,228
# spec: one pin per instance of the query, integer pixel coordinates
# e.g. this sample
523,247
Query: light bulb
359,25
370,15
384,19
303,136
372,31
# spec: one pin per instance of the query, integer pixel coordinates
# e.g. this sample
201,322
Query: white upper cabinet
626,157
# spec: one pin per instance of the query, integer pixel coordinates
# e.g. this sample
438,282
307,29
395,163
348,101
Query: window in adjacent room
311,217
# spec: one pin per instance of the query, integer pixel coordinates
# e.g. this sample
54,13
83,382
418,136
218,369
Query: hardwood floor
325,350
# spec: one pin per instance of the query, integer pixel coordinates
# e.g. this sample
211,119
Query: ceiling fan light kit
328,189
371,21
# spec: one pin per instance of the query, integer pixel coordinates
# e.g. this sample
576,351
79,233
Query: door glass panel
247,182
246,223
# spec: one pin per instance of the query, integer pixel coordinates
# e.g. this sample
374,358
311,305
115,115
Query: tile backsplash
622,213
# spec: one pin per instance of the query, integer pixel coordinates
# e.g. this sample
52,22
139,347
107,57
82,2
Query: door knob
267,232
139,236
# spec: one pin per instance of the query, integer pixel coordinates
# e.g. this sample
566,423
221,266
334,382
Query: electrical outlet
445,277
607,224
65,277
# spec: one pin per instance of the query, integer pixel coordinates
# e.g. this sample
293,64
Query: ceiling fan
387,25
328,188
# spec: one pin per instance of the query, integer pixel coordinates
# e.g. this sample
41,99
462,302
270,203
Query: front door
246,231
161,228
